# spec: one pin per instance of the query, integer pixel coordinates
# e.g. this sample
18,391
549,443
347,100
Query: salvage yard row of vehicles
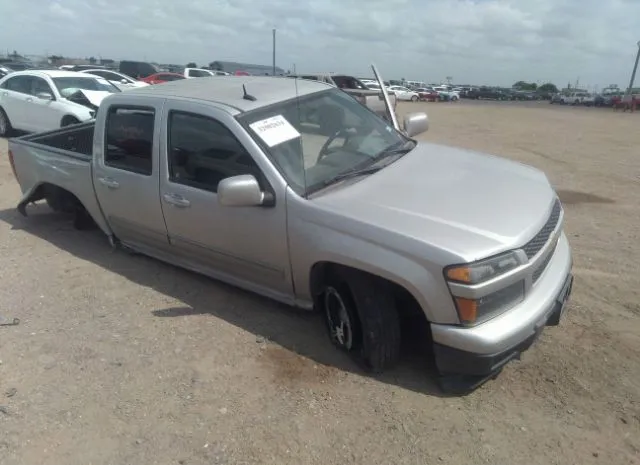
39,99
294,190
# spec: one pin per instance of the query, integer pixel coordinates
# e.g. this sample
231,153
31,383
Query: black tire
5,125
414,98
365,307
68,121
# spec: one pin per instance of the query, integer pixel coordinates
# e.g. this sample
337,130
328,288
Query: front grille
534,246
543,265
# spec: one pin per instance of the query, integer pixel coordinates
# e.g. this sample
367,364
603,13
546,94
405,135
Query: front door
242,245
46,114
126,174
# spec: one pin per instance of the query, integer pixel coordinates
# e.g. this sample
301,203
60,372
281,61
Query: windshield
69,85
331,131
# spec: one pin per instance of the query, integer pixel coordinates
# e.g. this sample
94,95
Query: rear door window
129,139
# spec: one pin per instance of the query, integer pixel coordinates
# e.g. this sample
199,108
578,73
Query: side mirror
44,96
242,191
124,81
415,123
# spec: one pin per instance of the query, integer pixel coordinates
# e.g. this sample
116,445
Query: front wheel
414,98
362,318
68,121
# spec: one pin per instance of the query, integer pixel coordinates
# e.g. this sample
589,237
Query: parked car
301,194
487,93
576,98
404,93
121,81
17,65
159,78
198,72
38,100
556,98
447,94
427,94
4,70
137,69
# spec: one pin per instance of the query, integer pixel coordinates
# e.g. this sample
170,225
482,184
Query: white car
121,81
404,93
41,100
201,72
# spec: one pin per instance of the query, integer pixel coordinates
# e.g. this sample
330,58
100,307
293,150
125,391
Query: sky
496,42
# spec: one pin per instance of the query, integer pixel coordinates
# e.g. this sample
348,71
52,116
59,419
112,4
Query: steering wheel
325,150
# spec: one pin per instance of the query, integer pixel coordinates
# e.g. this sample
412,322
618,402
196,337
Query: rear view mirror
242,191
415,123
44,96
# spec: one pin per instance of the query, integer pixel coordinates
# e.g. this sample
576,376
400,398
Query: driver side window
39,85
202,152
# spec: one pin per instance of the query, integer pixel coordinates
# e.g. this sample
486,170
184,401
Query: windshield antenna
247,96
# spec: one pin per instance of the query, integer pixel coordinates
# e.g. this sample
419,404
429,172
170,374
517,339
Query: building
255,70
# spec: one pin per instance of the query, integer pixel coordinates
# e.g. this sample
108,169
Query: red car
428,94
159,78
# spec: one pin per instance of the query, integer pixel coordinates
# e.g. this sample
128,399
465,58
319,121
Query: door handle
5,94
176,200
28,99
110,183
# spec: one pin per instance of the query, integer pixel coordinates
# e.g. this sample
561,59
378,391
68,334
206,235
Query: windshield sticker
274,130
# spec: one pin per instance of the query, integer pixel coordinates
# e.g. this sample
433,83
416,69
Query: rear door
126,173
15,95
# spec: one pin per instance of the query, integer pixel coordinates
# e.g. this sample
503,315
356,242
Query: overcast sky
474,41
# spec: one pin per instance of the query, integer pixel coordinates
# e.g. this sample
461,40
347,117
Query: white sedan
41,100
121,81
404,93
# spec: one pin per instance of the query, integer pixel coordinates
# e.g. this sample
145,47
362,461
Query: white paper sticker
274,130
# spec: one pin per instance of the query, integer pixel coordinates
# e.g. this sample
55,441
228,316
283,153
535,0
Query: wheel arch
408,304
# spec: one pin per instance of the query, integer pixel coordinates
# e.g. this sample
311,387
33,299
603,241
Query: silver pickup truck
297,192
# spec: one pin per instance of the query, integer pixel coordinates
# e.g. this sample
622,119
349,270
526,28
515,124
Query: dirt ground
120,359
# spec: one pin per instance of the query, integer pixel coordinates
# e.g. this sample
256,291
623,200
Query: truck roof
227,90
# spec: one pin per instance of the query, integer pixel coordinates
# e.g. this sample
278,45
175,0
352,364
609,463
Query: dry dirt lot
121,359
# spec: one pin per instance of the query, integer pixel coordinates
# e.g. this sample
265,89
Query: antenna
385,94
247,96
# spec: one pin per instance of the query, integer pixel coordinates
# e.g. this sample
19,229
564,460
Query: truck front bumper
468,356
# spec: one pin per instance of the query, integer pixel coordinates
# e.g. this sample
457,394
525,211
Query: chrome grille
543,265
532,247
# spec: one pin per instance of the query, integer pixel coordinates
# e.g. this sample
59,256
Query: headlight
483,270
474,311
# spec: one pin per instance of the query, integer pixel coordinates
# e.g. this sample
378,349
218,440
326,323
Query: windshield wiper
401,148
352,174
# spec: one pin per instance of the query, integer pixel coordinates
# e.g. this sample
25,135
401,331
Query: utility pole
274,53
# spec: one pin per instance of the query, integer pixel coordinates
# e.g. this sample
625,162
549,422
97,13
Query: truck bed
61,158
77,139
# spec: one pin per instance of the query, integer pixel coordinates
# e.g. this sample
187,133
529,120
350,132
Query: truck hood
470,204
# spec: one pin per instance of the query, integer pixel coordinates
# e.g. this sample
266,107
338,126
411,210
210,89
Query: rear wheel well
63,201
407,305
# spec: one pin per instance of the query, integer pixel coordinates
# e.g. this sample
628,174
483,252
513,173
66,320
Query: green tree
523,85
191,64
548,87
